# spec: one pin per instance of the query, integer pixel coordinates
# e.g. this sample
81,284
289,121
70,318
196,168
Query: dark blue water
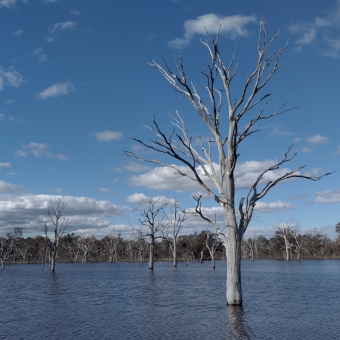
282,300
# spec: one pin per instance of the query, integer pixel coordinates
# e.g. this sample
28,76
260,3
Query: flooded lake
282,300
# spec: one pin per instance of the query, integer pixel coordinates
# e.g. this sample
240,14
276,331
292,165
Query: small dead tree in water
111,244
212,243
286,231
173,227
59,224
337,229
298,241
153,216
226,136
8,246
86,245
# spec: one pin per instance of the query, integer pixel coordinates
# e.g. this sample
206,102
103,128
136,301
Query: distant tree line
198,247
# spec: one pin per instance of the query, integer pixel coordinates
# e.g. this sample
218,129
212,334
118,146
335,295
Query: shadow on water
236,323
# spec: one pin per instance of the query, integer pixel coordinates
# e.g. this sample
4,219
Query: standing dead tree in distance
173,227
211,242
153,215
285,231
227,130
8,246
59,224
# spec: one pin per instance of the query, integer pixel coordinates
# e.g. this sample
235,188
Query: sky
76,86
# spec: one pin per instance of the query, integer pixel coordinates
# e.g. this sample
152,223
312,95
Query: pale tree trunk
233,254
52,264
151,253
287,246
174,255
201,163
201,259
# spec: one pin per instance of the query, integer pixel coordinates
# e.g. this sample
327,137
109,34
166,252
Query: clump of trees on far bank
197,247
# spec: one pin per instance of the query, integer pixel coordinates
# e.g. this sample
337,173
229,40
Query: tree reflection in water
236,323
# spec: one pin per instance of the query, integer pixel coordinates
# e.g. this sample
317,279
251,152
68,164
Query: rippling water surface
282,300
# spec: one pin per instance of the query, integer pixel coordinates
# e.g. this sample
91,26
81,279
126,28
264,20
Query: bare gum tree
152,211
173,227
285,231
211,243
8,248
59,224
225,139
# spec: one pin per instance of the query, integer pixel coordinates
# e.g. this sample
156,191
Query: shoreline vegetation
193,248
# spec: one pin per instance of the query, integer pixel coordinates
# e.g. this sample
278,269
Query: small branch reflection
236,323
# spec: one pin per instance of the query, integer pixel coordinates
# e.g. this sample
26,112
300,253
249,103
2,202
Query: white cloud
5,165
132,167
106,190
25,211
106,136
7,3
307,149
37,53
141,198
327,196
319,33
57,190
278,132
273,207
38,150
313,172
163,178
59,27
10,78
18,32
232,25
57,90
102,229
7,187
75,12
333,50
50,1
337,152
314,141
317,139
308,36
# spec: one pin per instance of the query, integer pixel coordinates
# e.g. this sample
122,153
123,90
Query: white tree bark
172,227
59,223
152,211
201,162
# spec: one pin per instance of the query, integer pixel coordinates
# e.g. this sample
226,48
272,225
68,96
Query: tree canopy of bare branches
153,215
59,224
226,136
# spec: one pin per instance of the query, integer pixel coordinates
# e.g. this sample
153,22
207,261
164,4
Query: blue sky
75,86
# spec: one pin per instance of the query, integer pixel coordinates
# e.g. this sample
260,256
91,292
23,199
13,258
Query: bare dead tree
140,246
86,245
211,243
59,224
252,244
173,227
200,161
111,243
71,243
337,229
153,215
298,240
8,246
286,232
